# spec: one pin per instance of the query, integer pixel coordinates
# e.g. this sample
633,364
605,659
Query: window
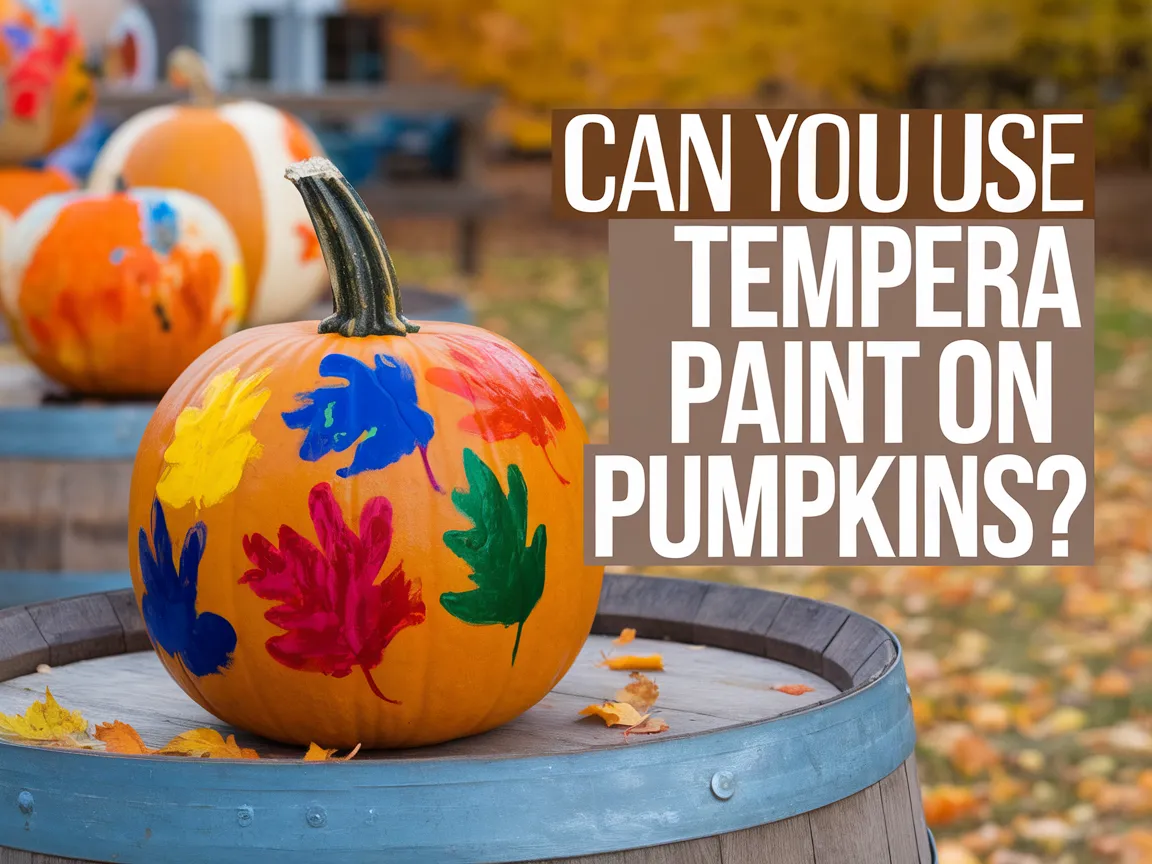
354,48
260,48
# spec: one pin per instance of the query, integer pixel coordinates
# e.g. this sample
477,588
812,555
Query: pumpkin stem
365,290
188,70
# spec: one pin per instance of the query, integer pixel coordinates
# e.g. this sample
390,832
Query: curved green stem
365,290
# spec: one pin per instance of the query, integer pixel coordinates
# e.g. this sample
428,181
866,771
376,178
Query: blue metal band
22,588
139,810
73,433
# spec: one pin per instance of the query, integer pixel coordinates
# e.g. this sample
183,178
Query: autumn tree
944,53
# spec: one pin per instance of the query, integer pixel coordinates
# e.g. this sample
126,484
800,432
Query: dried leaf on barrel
121,738
615,714
316,753
650,726
48,724
626,636
641,694
648,663
793,689
206,743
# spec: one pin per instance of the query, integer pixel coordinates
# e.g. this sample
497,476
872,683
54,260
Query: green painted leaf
507,570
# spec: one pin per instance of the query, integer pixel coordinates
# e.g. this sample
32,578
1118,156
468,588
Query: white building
289,44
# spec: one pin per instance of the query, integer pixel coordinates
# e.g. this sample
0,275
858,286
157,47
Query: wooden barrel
65,472
745,774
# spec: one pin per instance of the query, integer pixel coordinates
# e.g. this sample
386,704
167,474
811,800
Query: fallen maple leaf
649,726
626,636
121,738
641,694
793,689
649,663
207,743
615,714
47,723
316,753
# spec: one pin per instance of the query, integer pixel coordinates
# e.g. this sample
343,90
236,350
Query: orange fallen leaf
626,636
206,743
316,753
648,663
946,804
793,689
121,738
641,694
615,714
650,726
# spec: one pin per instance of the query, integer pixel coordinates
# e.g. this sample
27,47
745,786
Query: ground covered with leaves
1032,686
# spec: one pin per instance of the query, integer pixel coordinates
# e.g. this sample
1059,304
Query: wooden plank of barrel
746,774
66,470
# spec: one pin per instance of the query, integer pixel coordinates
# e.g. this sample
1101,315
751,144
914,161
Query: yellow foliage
687,53
45,723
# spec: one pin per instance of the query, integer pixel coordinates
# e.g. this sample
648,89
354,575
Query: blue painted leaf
376,411
204,642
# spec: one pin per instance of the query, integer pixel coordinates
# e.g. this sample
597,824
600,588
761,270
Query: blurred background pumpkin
47,91
115,294
233,155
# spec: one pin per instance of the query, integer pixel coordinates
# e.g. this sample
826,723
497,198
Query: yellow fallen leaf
48,723
121,738
626,636
206,743
615,714
793,689
649,663
641,694
649,726
318,754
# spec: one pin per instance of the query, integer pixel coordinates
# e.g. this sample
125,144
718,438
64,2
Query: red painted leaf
335,616
511,398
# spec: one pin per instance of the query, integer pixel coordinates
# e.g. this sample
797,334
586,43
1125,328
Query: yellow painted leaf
121,738
793,689
641,694
615,714
317,754
649,726
208,743
626,636
648,663
46,722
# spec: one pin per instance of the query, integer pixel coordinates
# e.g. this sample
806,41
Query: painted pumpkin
233,155
20,188
117,294
363,530
46,92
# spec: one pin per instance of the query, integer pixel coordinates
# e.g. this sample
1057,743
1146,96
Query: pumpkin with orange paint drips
116,294
363,530
232,154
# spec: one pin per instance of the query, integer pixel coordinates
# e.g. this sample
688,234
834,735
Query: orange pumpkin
20,188
363,530
117,294
46,92
233,155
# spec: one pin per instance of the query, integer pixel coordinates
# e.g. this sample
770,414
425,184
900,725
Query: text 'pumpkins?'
233,154
116,294
46,91
363,530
